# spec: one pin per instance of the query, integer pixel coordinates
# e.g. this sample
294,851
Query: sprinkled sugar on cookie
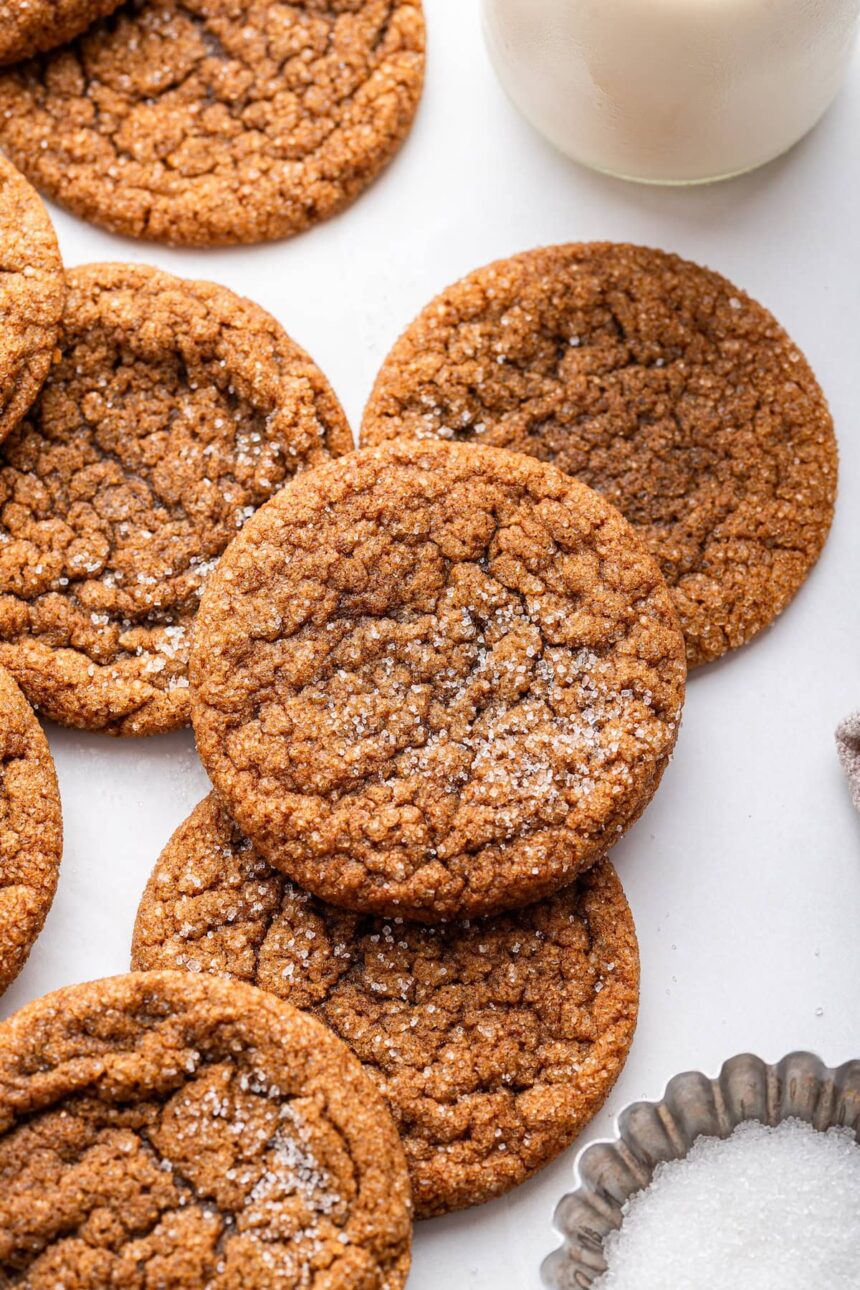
204,122
436,681
493,1041
159,1129
175,409
658,383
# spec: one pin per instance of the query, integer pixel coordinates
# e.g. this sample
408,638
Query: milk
672,91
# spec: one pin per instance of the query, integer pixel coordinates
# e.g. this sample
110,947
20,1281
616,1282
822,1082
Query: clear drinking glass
672,91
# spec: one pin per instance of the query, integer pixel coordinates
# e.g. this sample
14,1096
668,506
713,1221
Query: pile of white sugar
766,1209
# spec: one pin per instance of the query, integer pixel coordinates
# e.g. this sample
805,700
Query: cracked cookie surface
31,829
158,1129
29,27
175,410
436,680
202,122
492,1041
32,291
654,381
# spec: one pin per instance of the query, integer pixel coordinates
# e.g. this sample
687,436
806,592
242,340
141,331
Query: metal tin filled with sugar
704,1141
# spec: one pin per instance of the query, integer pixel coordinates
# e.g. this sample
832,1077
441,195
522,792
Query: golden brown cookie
28,27
175,410
493,1042
164,1130
436,680
32,291
201,122
31,829
654,381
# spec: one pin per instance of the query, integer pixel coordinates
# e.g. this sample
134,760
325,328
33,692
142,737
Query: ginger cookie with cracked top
32,292
658,383
436,680
29,27
31,829
207,122
176,408
493,1041
159,1129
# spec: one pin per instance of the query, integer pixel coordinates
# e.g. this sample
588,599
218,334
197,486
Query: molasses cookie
28,27
31,829
175,409
654,381
202,122
32,291
436,680
493,1041
165,1130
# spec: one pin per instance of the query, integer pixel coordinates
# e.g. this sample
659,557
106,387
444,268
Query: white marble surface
744,875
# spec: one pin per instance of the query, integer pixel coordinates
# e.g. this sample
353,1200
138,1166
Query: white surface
744,874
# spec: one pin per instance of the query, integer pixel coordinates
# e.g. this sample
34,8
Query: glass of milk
672,91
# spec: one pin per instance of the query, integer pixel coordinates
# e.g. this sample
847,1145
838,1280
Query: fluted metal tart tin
608,1173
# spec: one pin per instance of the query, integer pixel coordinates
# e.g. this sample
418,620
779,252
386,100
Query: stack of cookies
431,684
433,680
